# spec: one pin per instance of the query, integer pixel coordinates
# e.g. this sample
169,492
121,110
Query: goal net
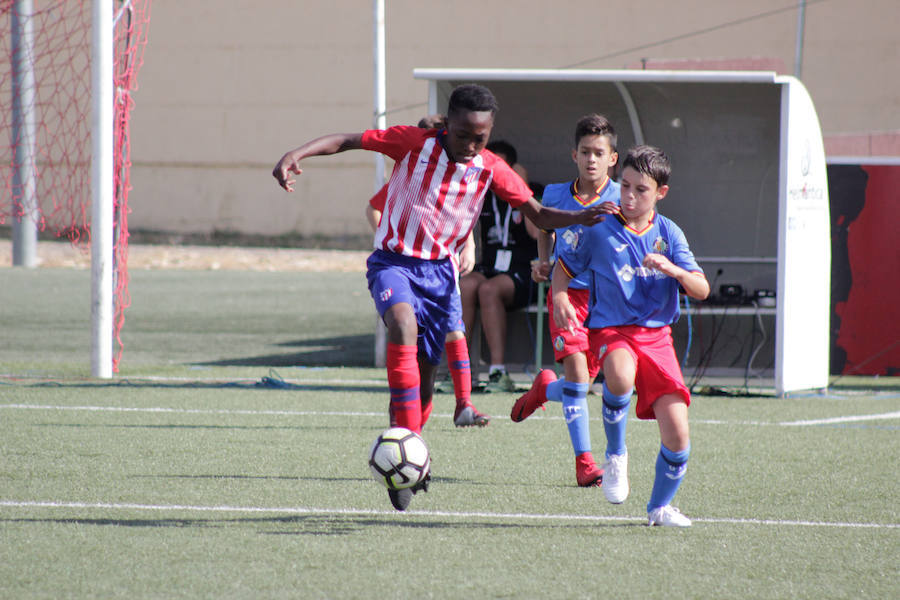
45,122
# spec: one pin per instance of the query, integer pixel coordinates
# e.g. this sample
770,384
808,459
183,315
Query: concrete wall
228,87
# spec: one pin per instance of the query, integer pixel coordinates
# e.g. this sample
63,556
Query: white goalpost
22,50
65,102
102,189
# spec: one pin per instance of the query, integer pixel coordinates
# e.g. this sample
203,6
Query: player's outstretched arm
554,218
323,146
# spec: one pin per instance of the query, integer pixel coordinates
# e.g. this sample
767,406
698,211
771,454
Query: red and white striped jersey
432,202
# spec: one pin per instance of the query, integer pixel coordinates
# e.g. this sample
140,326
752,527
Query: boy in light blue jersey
638,262
595,156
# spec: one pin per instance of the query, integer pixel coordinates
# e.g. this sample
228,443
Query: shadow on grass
323,524
342,351
319,478
265,383
257,477
192,426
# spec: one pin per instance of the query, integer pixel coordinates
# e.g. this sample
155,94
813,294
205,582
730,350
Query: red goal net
45,121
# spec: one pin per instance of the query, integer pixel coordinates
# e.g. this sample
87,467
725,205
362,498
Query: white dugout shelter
749,183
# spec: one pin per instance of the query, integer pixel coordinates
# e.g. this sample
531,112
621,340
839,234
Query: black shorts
523,285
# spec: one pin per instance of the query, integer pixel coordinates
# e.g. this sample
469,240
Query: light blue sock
575,410
615,420
554,390
670,469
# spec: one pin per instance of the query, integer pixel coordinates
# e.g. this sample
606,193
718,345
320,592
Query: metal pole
24,221
380,123
380,86
801,27
102,189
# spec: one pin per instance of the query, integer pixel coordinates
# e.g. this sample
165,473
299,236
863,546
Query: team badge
559,343
386,294
602,351
571,237
660,245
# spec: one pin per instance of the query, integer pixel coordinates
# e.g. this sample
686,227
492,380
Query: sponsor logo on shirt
627,273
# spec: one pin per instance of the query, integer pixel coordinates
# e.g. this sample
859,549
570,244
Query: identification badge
501,263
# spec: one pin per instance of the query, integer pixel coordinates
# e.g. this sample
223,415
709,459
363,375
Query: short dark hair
594,124
651,161
472,97
506,149
431,122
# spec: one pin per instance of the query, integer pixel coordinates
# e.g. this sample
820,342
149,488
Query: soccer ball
399,458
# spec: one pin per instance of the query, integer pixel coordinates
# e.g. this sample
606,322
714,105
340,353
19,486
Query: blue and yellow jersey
623,291
564,197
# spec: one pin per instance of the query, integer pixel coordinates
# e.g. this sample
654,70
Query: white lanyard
505,238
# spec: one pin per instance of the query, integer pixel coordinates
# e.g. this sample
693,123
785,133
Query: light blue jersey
563,196
623,291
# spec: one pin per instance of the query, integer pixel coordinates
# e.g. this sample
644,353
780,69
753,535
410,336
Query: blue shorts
429,286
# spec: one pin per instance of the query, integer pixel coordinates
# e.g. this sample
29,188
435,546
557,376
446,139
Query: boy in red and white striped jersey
434,197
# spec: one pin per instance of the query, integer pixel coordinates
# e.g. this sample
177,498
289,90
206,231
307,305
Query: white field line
301,510
848,419
312,413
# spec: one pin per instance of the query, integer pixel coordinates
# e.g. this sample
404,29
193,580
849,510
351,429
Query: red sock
426,412
403,378
460,370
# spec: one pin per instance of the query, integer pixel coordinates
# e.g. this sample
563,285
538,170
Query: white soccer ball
399,458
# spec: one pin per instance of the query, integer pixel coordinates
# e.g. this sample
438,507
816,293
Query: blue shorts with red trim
429,286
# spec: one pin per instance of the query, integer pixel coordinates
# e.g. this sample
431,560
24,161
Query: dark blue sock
575,411
670,469
615,420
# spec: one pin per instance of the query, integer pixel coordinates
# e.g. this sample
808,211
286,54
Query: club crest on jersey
660,245
571,236
471,174
386,294
559,343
